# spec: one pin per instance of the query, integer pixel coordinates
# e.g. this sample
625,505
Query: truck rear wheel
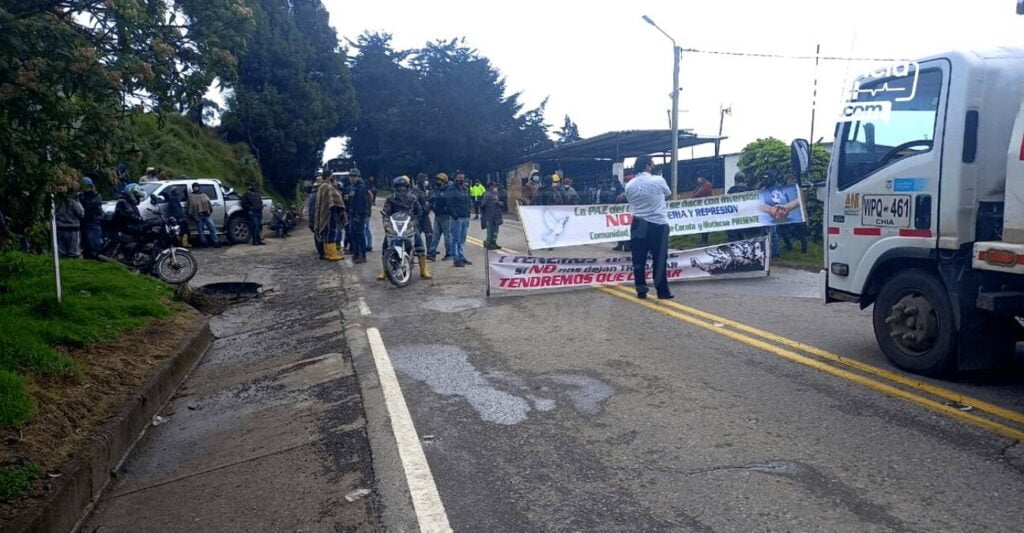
238,230
914,324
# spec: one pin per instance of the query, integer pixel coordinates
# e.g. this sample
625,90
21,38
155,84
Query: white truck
924,214
227,211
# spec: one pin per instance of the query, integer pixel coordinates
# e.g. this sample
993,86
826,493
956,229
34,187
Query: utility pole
676,52
722,112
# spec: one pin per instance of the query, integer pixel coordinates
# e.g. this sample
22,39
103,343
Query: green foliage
438,108
16,406
569,133
15,480
293,90
764,155
183,147
70,68
101,300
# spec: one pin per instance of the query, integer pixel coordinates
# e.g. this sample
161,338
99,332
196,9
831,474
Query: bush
15,480
15,404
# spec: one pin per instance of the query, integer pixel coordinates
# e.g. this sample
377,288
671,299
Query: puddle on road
447,371
447,304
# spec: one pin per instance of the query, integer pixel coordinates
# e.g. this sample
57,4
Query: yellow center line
990,425
480,243
945,394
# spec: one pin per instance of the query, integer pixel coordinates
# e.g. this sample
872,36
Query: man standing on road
458,206
476,192
330,218
174,210
92,232
491,206
646,195
442,218
252,204
200,209
703,190
359,214
424,233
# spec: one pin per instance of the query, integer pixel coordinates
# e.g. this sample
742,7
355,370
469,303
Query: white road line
425,499
363,308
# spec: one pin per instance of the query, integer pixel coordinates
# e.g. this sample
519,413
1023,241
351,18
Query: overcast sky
609,70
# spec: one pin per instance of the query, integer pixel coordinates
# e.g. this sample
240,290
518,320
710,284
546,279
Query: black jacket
252,202
439,201
126,215
459,202
491,209
174,208
92,202
359,201
403,201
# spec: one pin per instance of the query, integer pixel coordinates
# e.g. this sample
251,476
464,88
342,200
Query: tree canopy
70,70
569,133
440,107
293,90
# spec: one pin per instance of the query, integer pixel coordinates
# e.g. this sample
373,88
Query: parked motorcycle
154,250
283,220
400,230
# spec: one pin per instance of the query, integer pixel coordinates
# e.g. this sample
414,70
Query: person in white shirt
648,234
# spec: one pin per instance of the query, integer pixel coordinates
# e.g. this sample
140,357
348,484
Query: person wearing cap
476,192
358,215
92,231
200,209
458,205
330,218
491,213
149,176
68,217
648,234
442,218
569,196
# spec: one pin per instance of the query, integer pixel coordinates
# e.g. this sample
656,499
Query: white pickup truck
227,211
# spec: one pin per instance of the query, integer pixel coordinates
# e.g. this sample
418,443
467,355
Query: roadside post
56,251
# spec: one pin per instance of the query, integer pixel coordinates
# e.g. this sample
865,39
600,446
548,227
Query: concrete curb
397,512
84,479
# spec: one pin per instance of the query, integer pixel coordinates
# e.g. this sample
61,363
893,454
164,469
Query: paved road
586,410
268,433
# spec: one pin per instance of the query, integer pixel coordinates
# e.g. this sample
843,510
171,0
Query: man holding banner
649,230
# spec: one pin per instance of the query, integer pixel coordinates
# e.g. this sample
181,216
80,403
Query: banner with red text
555,226
740,259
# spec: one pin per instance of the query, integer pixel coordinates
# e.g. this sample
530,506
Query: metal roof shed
618,145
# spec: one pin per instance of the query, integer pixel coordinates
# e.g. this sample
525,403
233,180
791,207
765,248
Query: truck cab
918,177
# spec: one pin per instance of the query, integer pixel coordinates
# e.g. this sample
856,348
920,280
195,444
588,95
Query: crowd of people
340,210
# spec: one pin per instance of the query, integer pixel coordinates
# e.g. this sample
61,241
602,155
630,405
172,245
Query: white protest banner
740,259
555,226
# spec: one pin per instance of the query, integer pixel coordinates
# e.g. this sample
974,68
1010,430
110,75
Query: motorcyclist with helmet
404,201
127,218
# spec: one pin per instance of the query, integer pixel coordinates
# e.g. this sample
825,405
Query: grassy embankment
101,301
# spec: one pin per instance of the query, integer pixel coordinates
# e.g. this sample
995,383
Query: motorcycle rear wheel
397,270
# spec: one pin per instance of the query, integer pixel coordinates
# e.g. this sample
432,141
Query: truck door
884,182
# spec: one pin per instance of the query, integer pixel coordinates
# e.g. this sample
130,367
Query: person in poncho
330,218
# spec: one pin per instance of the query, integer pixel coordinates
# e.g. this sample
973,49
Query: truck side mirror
154,199
800,158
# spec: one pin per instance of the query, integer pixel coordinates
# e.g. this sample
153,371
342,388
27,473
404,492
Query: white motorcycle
400,230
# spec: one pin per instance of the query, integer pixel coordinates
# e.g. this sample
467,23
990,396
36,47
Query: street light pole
676,51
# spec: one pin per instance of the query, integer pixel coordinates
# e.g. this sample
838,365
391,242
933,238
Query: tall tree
69,69
569,133
293,91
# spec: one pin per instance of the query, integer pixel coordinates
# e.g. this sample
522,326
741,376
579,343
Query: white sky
609,70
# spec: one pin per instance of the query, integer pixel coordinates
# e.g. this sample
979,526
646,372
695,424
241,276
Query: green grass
15,480
812,260
101,300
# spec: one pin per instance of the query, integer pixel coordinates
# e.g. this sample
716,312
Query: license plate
885,210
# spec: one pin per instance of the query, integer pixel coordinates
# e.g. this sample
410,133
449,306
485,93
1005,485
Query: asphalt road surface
745,405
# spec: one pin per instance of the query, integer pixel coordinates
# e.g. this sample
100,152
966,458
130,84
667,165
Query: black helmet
401,182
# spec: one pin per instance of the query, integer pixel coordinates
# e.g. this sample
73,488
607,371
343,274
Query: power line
784,56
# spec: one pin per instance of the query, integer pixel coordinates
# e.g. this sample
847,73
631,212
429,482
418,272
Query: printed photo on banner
739,259
574,225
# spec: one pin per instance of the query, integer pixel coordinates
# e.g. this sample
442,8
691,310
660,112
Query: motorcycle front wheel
397,269
177,269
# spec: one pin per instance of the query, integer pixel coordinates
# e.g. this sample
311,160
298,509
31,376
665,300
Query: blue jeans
442,228
256,227
459,232
93,240
206,223
366,231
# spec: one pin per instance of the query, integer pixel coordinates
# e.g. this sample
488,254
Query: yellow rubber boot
331,252
382,276
424,271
